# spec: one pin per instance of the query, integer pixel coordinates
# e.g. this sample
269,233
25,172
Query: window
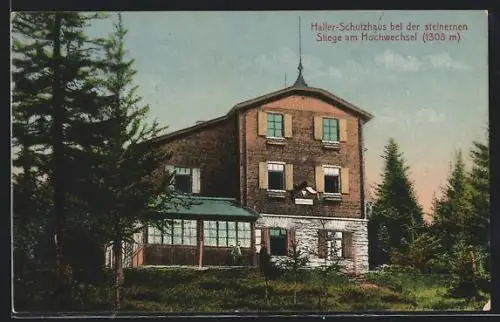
330,130
226,233
258,239
276,176
155,236
181,232
277,241
335,245
222,233
182,181
274,125
244,234
332,180
210,233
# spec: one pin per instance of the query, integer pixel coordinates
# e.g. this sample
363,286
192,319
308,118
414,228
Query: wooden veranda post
200,242
200,257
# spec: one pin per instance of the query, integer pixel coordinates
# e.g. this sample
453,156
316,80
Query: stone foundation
306,236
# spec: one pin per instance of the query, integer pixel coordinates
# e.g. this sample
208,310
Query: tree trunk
267,292
473,259
58,164
118,267
295,292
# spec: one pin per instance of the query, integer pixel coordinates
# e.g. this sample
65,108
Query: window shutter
320,179
262,123
288,126
322,243
318,128
263,175
290,235
289,177
347,244
196,180
343,130
265,238
344,180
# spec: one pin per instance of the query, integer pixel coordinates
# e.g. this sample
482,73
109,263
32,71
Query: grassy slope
243,290
188,290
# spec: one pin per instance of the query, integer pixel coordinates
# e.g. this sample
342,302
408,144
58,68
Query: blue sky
431,97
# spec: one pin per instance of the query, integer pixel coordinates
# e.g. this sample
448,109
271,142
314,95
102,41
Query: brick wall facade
304,152
228,152
213,149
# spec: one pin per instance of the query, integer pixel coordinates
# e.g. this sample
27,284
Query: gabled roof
306,91
276,95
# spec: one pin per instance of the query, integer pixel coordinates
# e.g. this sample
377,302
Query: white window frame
280,163
194,174
237,225
172,232
339,169
338,237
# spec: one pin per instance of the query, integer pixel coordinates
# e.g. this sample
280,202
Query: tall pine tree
53,67
479,179
396,212
454,212
127,182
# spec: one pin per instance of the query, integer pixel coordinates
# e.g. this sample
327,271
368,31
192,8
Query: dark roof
213,207
306,91
295,89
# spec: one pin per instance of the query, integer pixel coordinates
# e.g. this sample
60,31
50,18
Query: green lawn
244,290
188,290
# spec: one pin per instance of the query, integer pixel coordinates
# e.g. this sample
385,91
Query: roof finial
300,79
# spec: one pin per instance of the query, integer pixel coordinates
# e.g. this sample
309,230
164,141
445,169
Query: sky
431,97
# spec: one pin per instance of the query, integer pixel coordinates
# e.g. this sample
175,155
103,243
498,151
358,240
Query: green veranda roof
213,207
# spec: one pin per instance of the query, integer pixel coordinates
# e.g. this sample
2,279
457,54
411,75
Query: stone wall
306,236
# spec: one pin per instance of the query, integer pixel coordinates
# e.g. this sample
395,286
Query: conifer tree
295,260
127,182
454,212
479,179
396,210
53,66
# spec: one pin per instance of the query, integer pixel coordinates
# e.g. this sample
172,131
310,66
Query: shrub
395,268
419,253
464,281
157,277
